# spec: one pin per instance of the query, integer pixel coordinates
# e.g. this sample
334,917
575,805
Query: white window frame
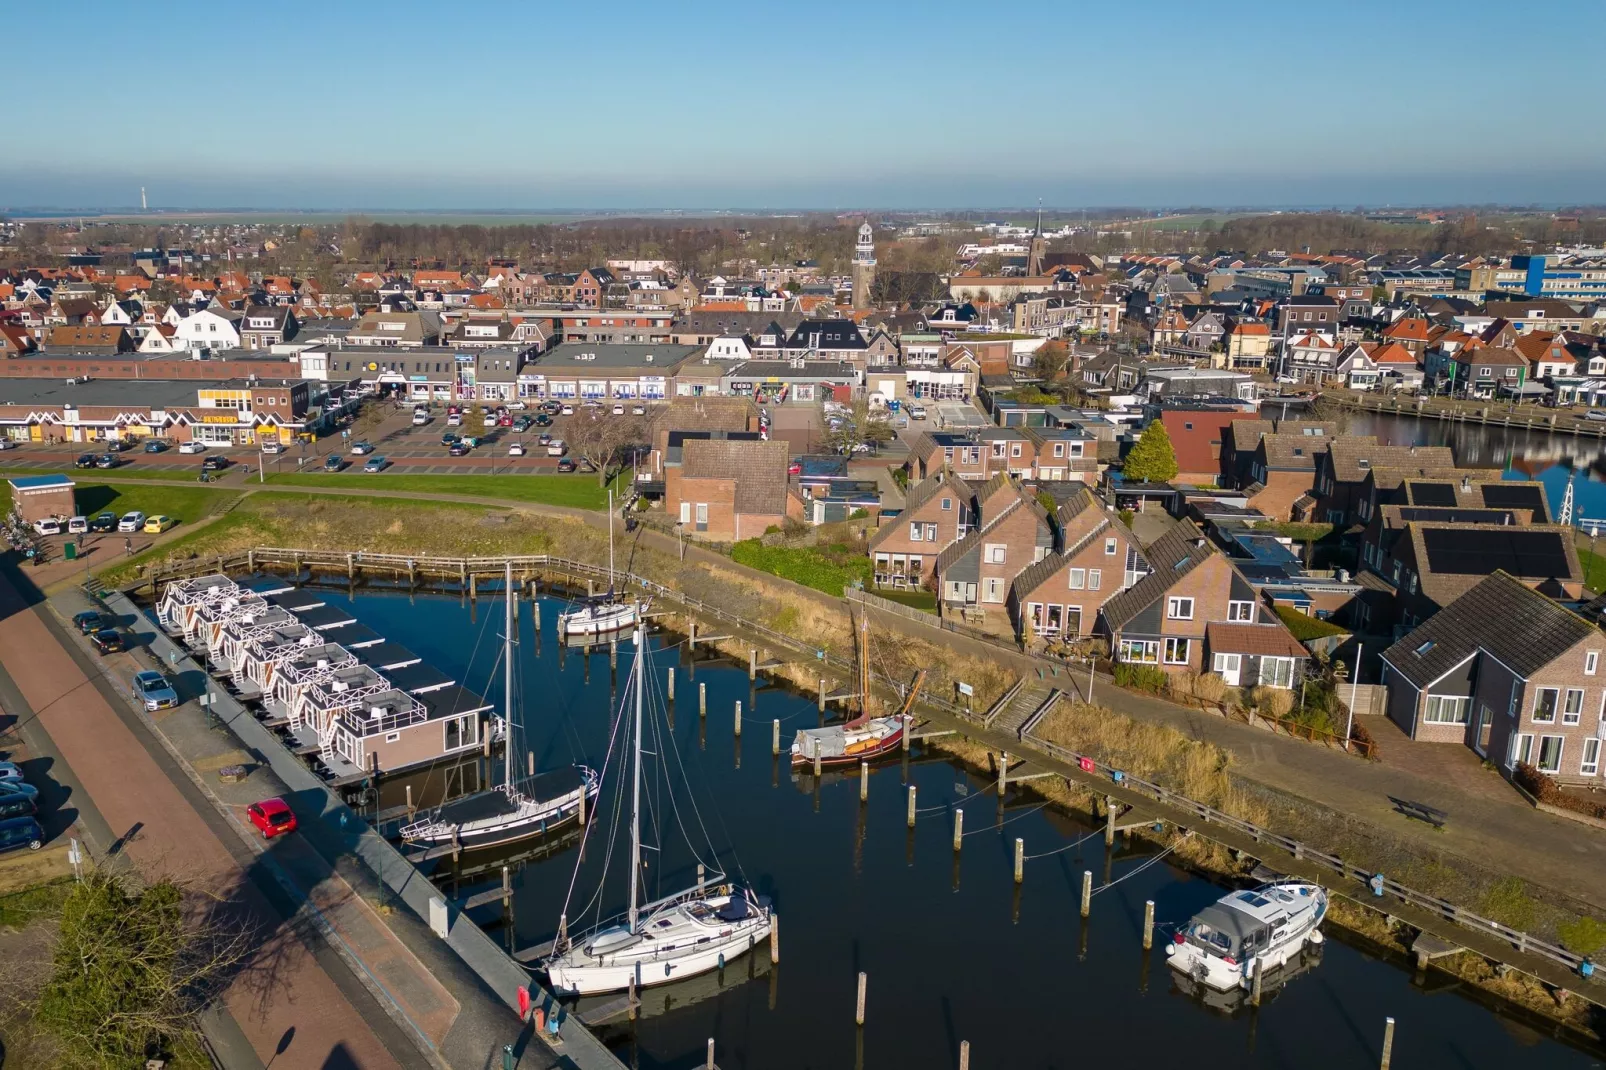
1589,761
1243,612
1277,672
992,589
1521,750
1174,644
1553,767
685,512
995,553
1174,608
1095,578
1111,545
1223,663
915,530
1146,651
1570,714
1447,709
1539,698
1591,662
1078,579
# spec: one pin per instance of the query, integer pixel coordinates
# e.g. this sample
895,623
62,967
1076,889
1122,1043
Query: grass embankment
186,504
1594,568
922,600
115,475
576,491
1305,627
831,569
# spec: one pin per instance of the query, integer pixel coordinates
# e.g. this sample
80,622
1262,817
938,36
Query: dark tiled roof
1172,556
1452,558
1519,626
759,469
1261,640
1353,455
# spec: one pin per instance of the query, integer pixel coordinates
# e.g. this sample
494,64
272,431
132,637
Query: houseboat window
392,737
461,732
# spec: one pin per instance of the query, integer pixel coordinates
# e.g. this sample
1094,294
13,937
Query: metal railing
1443,908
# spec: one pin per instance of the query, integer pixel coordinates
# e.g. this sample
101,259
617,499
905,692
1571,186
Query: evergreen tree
1152,459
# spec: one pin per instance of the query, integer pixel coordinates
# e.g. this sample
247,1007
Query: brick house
974,574
1341,472
1197,435
591,286
1284,471
1248,345
1507,672
1059,597
977,455
937,514
727,490
1251,653
1162,619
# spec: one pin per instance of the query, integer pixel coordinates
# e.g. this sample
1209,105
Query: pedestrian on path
128,547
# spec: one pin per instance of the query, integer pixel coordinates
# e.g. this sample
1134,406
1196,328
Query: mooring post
630,996
752,663
738,721
691,640
591,588
775,939
351,567
822,695
669,685
964,1055
816,761
251,561
1087,892
1148,924
410,799
473,586
911,806
1255,981
613,653
700,877
710,1064
1020,859
702,700
1003,772
858,1007
775,738
1388,1043
959,828
1109,821
485,735
580,814
507,890
908,729
530,764
864,781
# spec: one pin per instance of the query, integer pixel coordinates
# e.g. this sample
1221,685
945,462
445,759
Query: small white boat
1268,925
599,618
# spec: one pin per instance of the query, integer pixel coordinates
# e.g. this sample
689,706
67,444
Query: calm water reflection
953,949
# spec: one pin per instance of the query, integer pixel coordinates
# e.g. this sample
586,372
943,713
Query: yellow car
158,524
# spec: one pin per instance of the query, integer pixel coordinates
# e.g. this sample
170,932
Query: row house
1284,472
265,326
1311,358
1195,612
974,574
1342,470
1248,345
1058,598
1479,372
1509,673
937,513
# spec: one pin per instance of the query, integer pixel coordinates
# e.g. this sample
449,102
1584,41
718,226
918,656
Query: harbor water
953,948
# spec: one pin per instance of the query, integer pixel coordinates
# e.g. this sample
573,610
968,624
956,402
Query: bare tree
603,440
860,425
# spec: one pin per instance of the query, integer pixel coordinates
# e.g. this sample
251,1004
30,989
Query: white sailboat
678,936
603,614
514,809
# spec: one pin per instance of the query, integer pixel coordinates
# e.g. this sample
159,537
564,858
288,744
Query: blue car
19,832
155,445
154,691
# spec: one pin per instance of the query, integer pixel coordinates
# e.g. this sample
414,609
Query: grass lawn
913,599
176,475
18,908
1594,568
830,570
187,504
577,491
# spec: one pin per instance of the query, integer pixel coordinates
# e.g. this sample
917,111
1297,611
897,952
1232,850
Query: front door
1229,666
1485,723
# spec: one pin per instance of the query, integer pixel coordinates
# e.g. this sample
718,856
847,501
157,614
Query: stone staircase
1023,707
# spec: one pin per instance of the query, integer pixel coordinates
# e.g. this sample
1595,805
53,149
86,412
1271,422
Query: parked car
362,449
84,460
917,412
7,444
78,525
638,410
131,521
543,420
568,410
19,832
154,690
1595,414
92,620
17,804
450,437
109,641
543,438
117,445
273,447
551,408
375,464
108,460
48,526
556,448
192,446
103,523
522,424
794,469
155,445
472,441
420,417
333,463
502,420
454,419
159,523
515,449
459,449
566,465
272,817
215,463
618,409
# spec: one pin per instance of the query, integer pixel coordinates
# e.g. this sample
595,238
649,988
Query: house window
1277,672
1059,449
1590,762
1110,546
1545,705
993,590
1241,611
1078,579
1591,662
1014,449
1095,577
1145,651
1447,709
1179,608
947,504
1573,707
915,529
1550,748
1522,750
1176,651
995,552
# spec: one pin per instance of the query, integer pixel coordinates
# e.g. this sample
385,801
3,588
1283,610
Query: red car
794,469
272,817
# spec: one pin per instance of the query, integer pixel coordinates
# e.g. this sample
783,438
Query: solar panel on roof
1516,496
1518,551
1455,516
1432,494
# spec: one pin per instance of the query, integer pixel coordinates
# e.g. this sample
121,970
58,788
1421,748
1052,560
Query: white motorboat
516,809
679,936
1267,925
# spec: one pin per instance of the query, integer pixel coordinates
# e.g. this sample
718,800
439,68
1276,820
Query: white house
161,338
209,329
729,347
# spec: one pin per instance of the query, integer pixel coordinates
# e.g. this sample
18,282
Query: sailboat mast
507,688
635,788
610,540
864,662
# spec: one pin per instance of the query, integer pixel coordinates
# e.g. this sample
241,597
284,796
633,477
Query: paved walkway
284,997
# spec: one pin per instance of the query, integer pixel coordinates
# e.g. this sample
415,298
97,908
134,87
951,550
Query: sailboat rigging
688,933
864,736
515,809
602,614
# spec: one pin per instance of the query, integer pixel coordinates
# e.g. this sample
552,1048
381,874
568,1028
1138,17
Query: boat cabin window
1212,937
1254,941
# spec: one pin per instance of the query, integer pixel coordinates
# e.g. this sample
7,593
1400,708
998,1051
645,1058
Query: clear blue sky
869,104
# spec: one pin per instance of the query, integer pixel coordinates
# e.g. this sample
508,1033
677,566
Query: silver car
154,691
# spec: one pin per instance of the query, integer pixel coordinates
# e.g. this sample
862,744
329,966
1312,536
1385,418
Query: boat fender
722,960
1170,950
1315,938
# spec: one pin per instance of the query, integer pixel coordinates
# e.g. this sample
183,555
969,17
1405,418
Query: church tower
1038,246
863,266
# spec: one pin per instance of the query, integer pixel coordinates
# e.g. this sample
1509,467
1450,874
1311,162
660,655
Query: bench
1420,811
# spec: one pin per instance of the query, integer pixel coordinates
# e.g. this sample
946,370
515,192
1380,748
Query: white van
78,525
